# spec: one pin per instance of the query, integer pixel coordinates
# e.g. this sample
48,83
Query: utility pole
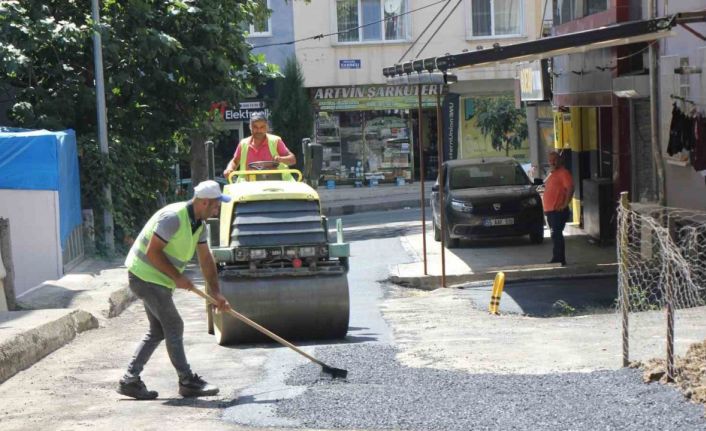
102,125
654,112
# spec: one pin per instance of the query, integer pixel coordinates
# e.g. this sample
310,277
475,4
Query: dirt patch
690,372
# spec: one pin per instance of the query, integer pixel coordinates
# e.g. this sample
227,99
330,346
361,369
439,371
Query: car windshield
487,175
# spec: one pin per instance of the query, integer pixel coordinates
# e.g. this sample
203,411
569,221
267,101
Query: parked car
488,197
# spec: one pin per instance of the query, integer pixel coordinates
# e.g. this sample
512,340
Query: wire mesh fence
662,265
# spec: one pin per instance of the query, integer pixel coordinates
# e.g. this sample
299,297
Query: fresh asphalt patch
549,298
380,393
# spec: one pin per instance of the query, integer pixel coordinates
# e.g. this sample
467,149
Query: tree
292,113
165,61
498,119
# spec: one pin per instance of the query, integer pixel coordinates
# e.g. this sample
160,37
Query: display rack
328,135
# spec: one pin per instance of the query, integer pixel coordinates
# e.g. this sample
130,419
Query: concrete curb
346,209
514,275
24,350
119,300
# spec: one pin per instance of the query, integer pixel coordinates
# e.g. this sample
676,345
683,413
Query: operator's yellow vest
179,250
272,141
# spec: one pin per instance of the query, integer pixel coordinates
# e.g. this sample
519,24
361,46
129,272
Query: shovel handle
258,327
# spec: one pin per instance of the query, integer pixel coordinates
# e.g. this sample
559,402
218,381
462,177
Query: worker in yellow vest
261,147
156,264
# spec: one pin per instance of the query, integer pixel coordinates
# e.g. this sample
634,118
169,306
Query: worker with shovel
155,264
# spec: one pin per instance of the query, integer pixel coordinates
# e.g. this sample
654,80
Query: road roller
275,262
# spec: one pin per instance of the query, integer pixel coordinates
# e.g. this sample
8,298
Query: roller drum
295,308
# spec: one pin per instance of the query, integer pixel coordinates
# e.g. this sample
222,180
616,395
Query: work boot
195,386
136,389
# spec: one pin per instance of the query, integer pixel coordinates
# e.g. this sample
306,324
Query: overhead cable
321,36
424,31
439,28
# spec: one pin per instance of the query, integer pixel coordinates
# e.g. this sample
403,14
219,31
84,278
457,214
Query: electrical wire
321,36
439,28
424,31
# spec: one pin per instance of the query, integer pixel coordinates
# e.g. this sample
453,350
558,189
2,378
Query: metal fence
662,266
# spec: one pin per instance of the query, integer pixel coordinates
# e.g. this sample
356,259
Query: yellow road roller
275,262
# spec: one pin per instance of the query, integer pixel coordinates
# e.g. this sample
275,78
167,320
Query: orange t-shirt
556,187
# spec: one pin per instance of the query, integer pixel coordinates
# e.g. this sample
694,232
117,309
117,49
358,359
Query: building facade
601,110
371,130
682,84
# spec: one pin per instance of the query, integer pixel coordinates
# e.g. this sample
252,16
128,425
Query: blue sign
349,64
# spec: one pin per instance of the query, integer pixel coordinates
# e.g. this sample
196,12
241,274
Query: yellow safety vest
272,141
179,249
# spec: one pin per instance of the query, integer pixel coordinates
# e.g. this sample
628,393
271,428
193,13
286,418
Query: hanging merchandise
676,135
698,152
681,132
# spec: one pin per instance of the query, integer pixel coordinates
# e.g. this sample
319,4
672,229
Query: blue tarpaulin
44,160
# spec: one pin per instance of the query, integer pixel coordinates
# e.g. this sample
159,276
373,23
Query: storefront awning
582,41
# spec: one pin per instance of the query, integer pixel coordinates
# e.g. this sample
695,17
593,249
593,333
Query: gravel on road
380,393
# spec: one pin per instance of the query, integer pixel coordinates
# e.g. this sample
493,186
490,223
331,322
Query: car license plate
498,221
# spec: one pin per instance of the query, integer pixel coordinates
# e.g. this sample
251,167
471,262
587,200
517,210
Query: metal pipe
102,123
440,157
654,113
623,277
421,177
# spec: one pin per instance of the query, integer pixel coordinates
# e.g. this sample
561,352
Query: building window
371,20
261,26
570,10
496,18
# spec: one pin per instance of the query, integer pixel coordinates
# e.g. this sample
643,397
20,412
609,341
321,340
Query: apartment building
367,126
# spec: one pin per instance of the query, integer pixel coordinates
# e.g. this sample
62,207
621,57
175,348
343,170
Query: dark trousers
165,324
556,221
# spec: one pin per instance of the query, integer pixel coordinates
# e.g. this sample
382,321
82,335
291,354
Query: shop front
369,133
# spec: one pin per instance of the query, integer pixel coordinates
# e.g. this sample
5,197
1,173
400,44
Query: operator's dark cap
257,116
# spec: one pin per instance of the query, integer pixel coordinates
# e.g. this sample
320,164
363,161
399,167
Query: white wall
319,58
34,232
686,188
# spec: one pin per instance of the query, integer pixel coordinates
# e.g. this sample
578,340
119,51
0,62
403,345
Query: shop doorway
428,142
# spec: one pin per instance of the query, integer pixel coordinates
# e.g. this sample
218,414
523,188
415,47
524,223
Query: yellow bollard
498,286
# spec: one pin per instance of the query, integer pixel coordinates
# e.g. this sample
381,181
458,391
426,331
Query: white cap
210,189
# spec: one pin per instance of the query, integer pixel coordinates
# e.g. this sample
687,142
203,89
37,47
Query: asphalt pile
380,393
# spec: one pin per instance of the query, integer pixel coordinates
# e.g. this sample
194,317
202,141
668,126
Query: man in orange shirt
558,191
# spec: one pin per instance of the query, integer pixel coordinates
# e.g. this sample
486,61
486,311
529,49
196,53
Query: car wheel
450,242
537,235
437,232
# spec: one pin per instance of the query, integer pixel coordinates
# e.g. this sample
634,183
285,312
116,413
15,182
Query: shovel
335,373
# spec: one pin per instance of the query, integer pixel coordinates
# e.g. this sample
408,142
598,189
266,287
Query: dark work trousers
165,324
556,221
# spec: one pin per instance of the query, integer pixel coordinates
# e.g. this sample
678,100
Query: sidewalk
58,310
516,257
345,200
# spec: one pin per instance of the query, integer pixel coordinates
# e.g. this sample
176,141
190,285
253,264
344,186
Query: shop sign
242,112
373,97
450,119
534,81
349,64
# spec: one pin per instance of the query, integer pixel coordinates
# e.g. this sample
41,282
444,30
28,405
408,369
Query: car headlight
460,206
530,202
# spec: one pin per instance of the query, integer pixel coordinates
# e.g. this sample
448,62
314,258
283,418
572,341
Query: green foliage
506,125
292,113
165,62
